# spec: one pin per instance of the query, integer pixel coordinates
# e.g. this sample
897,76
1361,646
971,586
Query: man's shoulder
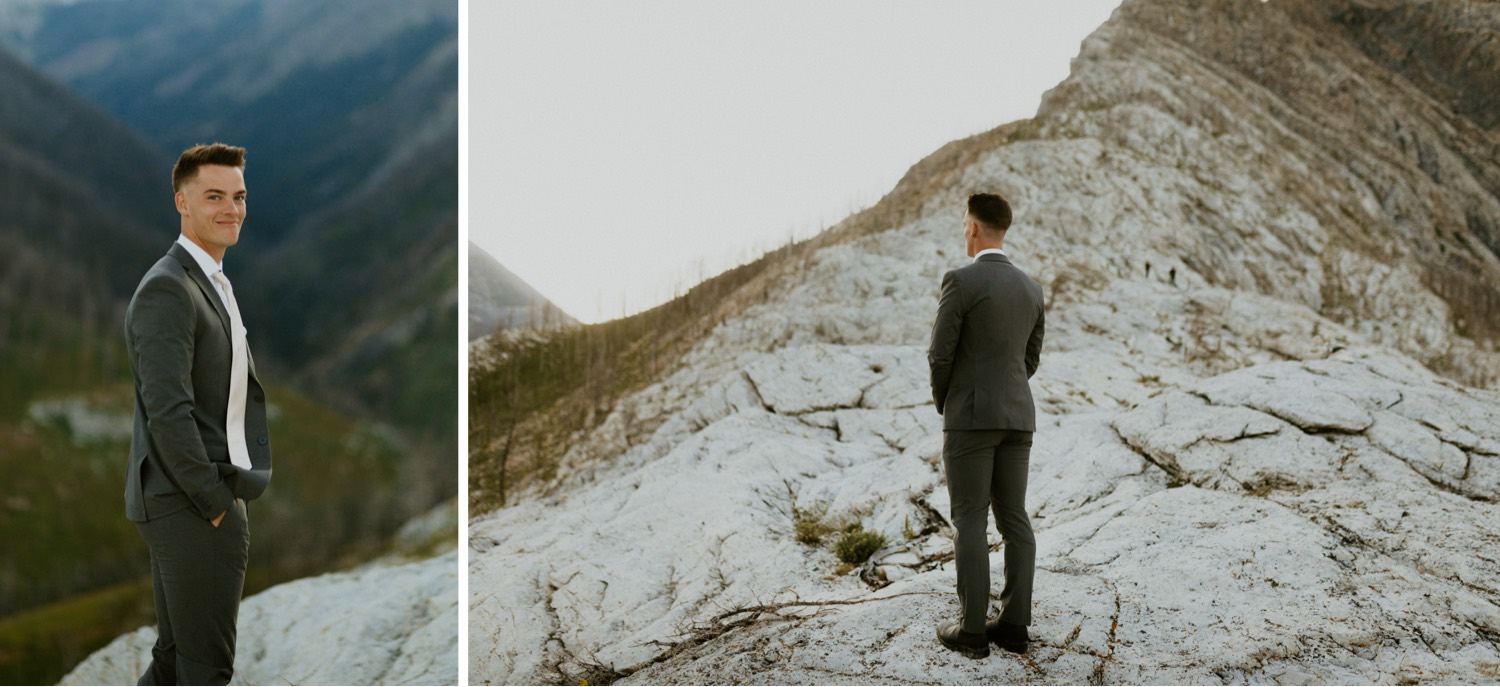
166,272
985,269
970,271
1002,274
172,264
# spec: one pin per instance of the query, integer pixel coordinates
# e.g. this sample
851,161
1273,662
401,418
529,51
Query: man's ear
181,200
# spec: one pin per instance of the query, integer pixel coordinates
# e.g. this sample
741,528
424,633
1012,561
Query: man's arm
1034,344
161,327
945,330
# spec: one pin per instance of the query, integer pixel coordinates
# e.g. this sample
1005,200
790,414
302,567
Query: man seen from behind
986,344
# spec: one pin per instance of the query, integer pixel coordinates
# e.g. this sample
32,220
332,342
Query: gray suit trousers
197,574
986,470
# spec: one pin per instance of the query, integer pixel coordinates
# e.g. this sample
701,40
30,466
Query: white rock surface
1289,549
379,625
1228,485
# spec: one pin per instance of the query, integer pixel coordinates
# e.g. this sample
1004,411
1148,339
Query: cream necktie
239,379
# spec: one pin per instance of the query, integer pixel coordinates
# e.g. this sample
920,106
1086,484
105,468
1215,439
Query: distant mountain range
349,112
498,299
325,94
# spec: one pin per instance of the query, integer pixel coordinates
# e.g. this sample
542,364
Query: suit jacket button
262,441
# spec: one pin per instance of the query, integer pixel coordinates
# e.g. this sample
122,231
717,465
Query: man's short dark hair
990,210
205,154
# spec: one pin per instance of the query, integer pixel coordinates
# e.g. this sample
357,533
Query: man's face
212,205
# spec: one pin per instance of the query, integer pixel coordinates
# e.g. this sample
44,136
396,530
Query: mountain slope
78,227
387,350
1264,453
499,299
320,92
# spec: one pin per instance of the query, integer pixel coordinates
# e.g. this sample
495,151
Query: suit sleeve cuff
219,500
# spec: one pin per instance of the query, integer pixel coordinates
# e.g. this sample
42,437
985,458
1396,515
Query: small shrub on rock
809,527
856,545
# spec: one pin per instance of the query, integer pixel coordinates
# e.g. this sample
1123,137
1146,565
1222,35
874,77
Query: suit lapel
195,272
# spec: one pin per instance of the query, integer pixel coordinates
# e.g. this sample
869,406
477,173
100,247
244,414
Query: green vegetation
856,545
810,527
38,646
41,352
62,517
335,500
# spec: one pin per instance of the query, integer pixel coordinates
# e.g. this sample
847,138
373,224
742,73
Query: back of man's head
205,154
990,211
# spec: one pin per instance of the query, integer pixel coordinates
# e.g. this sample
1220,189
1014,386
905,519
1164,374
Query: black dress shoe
1009,636
971,644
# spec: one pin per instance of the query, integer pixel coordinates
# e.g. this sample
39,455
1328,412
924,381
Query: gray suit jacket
986,344
177,337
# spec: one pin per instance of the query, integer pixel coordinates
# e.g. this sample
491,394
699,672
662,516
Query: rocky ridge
1266,451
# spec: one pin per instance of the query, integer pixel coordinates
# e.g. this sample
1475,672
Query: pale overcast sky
621,150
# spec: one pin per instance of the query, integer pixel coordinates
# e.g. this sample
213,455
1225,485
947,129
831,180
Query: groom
200,449
986,343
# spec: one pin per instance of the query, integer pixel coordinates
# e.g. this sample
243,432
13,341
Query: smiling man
199,449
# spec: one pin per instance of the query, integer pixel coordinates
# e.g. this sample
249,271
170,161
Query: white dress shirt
988,251
205,261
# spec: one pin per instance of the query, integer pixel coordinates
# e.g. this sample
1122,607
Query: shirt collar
988,251
202,257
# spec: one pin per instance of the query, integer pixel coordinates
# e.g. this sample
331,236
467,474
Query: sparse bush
809,526
853,545
856,545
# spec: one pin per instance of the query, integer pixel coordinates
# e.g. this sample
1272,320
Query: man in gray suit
986,344
199,449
